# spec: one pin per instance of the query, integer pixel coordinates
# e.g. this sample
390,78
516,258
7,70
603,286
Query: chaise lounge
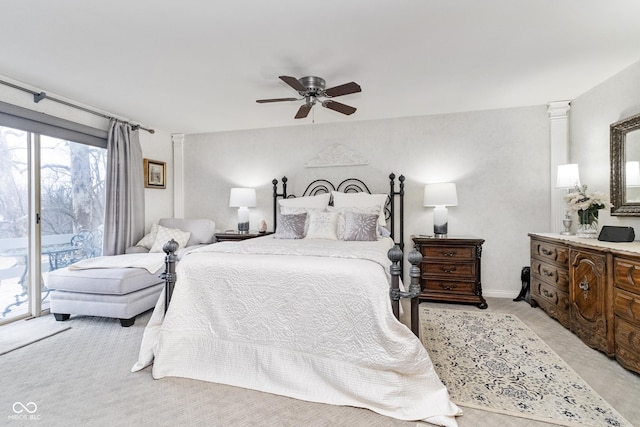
124,292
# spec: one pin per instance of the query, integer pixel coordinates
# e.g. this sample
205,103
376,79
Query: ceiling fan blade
304,111
340,108
345,89
262,101
294,83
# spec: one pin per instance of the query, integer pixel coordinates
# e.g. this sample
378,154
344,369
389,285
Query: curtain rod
39,96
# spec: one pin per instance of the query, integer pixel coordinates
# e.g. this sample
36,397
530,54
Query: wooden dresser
450,269
591,288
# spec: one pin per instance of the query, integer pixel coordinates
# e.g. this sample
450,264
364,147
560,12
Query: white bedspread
313,322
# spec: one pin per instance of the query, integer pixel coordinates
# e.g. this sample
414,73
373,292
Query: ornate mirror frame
618,150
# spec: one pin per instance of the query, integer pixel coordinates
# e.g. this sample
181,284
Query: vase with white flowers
587,206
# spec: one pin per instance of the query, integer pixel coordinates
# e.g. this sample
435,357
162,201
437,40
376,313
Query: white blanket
316,327
151,262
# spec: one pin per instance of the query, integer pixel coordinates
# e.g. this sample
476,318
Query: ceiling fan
312,89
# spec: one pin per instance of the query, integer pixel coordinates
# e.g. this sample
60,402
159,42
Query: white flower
579,199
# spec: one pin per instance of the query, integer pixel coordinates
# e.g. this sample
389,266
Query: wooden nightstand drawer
449,286
458,270
549,251
449,252
551,273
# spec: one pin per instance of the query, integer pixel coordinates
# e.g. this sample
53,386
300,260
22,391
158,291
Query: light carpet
494,362
24,332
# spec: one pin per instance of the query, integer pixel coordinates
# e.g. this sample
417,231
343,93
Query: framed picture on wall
155,174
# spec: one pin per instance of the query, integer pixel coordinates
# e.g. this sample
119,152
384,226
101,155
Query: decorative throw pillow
361,227
286,210
165,234
291,226
373,210
323,225
148,240
361,200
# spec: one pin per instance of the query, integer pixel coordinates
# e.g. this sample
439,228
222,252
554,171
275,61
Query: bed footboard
414,258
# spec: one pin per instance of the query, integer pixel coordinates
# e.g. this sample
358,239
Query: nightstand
450,269
231,236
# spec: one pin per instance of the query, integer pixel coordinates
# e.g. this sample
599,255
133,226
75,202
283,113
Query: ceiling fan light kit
312,89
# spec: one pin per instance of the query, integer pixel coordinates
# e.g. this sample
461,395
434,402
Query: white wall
498,159
158,203
591,115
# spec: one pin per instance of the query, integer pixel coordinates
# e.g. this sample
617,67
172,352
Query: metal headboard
353,185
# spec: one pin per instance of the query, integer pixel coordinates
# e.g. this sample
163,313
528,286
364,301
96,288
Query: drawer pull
449,253
547,272
584,285
546,251
448,269
547,293
447,287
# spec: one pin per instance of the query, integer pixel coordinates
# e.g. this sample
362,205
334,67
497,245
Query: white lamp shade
441,194
242,198
632,174
568,176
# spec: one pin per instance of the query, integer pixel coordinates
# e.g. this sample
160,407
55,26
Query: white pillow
165,234
361,200
148,240
322,225
321,201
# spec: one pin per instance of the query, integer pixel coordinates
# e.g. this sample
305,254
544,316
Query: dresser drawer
449,286
460,270
627,339
449,252
551,273
553,301
626,274
627,305
549,252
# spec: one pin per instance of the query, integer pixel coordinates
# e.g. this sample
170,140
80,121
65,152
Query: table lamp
243,199
569,178
440,196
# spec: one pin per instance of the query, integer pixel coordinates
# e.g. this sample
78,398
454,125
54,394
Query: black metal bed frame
395,254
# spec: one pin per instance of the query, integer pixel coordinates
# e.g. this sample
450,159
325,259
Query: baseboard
500,294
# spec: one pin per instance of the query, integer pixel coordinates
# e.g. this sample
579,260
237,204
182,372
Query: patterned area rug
494,362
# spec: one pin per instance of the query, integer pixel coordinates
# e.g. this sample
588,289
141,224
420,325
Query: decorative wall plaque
337,155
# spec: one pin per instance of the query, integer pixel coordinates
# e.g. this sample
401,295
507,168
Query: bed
305,317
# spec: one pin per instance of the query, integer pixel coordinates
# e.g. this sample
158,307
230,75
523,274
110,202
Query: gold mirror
625,167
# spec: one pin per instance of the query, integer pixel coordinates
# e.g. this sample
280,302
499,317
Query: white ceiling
194,66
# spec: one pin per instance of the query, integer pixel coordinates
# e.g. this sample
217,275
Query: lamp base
243,228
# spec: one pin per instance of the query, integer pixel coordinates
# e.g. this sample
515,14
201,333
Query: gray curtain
124,209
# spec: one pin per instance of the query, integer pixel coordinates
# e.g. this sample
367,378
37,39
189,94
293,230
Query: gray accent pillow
291,226
361,227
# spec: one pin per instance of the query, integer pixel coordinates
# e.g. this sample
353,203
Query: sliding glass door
52,196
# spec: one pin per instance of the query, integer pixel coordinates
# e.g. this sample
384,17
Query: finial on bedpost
395,255
169,274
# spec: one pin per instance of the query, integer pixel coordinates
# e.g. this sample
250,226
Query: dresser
591,288
450,269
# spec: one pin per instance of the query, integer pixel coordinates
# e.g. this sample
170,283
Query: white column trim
559,155
178,174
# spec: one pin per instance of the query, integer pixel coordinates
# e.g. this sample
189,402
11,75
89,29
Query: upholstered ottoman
120,293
